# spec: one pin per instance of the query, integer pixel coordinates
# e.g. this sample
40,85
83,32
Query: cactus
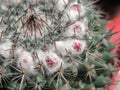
53,45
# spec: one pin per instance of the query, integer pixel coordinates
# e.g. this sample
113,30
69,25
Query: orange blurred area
114,24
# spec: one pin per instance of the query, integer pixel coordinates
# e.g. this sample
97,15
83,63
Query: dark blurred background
109,7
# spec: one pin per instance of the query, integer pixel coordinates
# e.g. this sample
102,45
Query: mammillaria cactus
53,45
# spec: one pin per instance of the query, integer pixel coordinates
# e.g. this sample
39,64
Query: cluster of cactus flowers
53,45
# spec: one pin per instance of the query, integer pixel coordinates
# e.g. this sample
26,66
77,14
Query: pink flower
76,7
74,12
25,61
77,46
74,46
77,27
51,62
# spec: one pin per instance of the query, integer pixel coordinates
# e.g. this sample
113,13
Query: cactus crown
53,45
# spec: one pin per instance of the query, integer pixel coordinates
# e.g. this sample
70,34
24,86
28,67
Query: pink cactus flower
25,61
51,62
77,28
77,46
76,7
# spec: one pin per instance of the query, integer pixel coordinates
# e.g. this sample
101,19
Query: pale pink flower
78,29
74,12
25,61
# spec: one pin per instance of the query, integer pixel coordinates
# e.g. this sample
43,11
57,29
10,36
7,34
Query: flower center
25,61
51,62
77,46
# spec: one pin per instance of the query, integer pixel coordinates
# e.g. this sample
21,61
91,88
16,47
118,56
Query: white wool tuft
66,87
5,49
60,4
14,1
4,7
41,56
18,50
